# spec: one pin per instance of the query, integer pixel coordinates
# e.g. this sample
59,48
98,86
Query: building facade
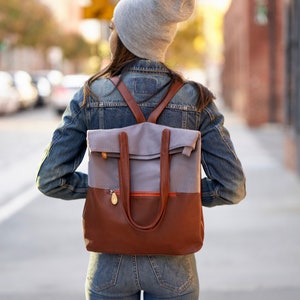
253,82
292,84
261,73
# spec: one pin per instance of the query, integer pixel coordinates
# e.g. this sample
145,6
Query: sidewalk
252,250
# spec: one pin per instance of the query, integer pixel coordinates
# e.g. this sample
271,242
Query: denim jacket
224,181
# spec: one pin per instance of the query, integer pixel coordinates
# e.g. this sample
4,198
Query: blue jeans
124,277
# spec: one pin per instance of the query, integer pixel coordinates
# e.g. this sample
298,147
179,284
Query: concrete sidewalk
252,250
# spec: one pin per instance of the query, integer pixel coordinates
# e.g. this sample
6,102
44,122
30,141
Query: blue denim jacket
57,177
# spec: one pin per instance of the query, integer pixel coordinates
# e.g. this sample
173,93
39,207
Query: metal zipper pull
113,197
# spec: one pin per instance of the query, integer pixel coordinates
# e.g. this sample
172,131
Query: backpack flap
144,142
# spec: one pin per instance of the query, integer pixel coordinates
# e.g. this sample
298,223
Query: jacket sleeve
57,176
225,181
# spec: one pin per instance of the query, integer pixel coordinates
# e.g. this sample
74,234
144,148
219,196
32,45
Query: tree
189,47
74,46
27,23
30,23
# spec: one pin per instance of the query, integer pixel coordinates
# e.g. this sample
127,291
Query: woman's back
141,33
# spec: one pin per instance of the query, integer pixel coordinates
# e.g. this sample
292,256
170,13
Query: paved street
42,254
251,250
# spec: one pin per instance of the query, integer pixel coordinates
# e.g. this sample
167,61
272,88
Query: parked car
9,96
28,92
63,93
45,81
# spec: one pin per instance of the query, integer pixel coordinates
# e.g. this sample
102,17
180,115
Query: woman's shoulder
199,91
100,83
101,86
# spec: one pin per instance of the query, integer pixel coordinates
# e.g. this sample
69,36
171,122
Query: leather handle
124,178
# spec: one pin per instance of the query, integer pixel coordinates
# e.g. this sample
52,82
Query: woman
141,33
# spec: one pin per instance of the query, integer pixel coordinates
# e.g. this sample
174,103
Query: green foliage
189,47
26,23
30,23
74,46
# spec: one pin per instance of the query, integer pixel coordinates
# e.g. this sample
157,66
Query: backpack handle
134,107
124,178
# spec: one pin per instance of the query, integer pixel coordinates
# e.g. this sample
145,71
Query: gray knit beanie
148,27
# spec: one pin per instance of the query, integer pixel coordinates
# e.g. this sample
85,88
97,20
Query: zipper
141,194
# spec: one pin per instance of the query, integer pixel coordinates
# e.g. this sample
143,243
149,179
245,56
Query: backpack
144,195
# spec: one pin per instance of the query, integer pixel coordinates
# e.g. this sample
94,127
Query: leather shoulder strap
159,109
134,107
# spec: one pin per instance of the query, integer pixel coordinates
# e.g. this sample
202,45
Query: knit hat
148,27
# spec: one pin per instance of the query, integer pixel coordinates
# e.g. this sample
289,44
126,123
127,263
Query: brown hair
123,58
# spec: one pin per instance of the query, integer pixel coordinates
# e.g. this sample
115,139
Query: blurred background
247,52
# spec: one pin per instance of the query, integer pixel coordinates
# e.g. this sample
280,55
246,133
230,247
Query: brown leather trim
106,227
124,179
159,109
134,107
